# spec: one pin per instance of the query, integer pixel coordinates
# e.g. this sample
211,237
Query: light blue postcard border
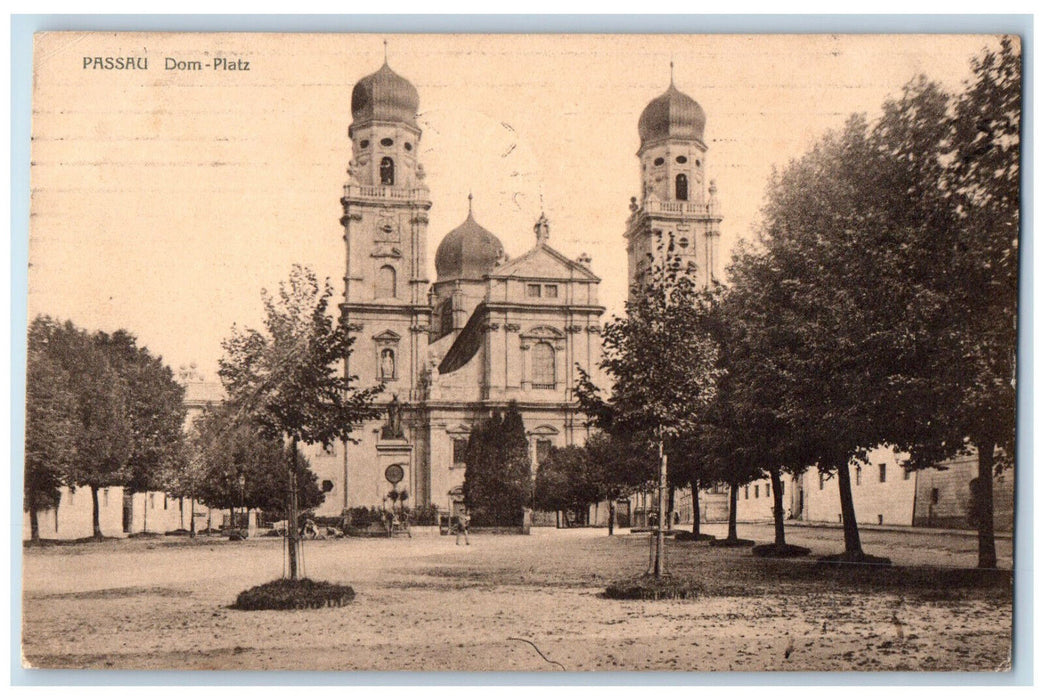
22,30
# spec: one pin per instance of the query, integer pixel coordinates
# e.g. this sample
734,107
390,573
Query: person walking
463,520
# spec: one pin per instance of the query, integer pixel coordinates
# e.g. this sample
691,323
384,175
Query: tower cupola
385,96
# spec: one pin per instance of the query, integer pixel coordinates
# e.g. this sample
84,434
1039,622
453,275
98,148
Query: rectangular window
152,501
551,291
72,497
782,488
859,475
820,481
105,497
757,491
746,492
906,474
884,472
543,449
935,497
533,290
460,451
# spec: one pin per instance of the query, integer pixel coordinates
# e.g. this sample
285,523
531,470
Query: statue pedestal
396,451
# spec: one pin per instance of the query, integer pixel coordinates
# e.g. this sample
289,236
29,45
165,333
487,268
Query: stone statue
393,427
387,364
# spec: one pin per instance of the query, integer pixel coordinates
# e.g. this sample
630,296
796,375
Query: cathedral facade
487,331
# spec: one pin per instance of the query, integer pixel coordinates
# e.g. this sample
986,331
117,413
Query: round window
386,142
364,144
683,242
681,159
658,161
408,146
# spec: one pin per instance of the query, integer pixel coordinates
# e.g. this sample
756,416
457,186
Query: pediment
543,262
389,336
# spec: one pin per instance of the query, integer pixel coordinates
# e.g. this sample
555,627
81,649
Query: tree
50,435
288,379
661,362
619,467
983,179
155,411
882,300
99,412
497,480
567,480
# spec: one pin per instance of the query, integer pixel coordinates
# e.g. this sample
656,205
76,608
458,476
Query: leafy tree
99,414
155,411
497,480
242,468
567,480
978,361
661,362
50,431
619,466
291,378
881,303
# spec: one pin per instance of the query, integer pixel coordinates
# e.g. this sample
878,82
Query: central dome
672,115
467,252
385,96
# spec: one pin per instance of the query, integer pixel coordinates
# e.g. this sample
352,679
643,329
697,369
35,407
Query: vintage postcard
521,352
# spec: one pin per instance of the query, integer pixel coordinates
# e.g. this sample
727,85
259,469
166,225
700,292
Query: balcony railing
543,386
384,192
658,207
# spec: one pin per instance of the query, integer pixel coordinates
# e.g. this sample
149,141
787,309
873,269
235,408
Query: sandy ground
426,604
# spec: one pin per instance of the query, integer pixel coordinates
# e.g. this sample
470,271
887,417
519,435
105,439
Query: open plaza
520,603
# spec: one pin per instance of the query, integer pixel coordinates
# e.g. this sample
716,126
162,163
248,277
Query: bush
687,536
648,587
285,594
773,551
424,515
362,517
738,542
178,532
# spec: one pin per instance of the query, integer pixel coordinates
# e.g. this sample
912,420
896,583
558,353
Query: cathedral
489,329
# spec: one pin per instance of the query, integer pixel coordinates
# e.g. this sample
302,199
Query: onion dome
672,115
385,96
467,252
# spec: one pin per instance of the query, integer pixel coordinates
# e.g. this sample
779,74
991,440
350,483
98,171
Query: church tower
385,219
675,197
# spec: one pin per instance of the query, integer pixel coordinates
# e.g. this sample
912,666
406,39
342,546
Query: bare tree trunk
984,505
192,517
694,487
95,517
658,569
291,524
181,512
612,515
34,521
733,505
848,516
777,506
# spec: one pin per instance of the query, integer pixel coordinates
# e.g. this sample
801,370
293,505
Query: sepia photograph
522,352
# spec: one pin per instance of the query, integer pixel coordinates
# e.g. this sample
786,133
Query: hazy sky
164,201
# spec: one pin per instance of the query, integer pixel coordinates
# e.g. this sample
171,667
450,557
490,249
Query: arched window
387,171
543,366
681,187
385,284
